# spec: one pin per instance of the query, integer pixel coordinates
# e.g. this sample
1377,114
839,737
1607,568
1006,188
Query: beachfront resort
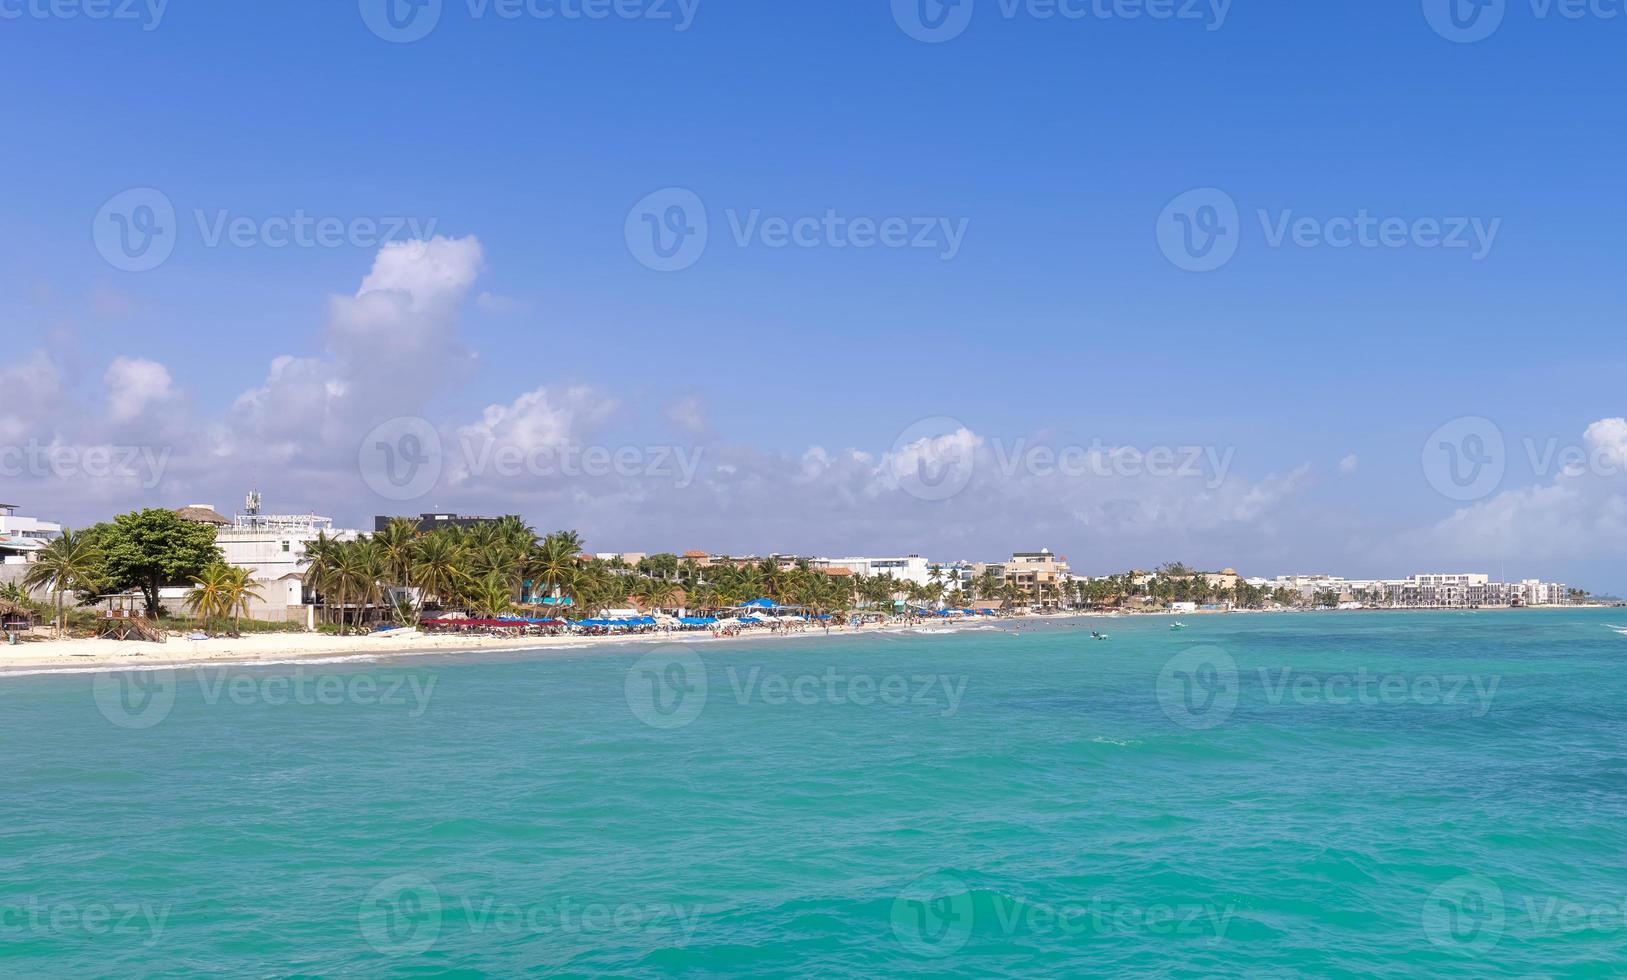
194,568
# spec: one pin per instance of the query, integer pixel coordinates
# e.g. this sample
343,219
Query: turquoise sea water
1372,794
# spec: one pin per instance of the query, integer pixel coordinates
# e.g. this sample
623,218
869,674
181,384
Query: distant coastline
91,655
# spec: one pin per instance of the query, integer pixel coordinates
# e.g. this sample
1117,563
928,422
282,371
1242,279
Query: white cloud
535,423
688,414
501,305
134,384
1579,511
33,389
1348,465
394,345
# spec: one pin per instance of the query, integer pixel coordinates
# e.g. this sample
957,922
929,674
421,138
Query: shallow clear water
1371,793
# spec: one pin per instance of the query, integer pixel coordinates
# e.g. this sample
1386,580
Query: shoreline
94,655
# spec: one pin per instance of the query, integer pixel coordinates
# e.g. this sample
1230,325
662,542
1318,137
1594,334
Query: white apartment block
21,538
910,568
1430,590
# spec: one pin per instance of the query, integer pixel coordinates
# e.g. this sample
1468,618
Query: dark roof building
437,521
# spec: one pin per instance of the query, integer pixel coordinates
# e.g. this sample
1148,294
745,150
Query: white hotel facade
1431,590
21,538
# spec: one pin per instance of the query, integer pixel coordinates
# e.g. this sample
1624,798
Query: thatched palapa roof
203,514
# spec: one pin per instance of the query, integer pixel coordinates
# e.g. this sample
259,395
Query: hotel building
21,538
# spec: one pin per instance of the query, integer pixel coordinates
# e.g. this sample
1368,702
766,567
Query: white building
1538,593
910,568
21,538
1429,590
271,546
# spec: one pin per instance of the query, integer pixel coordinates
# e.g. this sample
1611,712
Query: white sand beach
103,654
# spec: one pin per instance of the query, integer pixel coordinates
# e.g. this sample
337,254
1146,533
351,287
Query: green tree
208,596
151,549
239,589
71,562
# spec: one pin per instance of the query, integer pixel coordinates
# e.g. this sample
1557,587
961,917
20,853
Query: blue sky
1055,143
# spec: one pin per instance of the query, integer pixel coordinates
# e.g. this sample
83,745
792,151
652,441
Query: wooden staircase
123,624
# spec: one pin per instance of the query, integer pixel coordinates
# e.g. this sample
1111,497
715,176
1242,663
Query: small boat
1173,627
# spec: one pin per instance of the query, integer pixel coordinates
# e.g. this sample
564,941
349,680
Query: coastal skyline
776,395
714,488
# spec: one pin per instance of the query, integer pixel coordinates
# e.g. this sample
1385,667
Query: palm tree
320,556
491,596
371,565
703,597
437,569
552,561
397,544
207,597
71,561
349,574
662,594
238,591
